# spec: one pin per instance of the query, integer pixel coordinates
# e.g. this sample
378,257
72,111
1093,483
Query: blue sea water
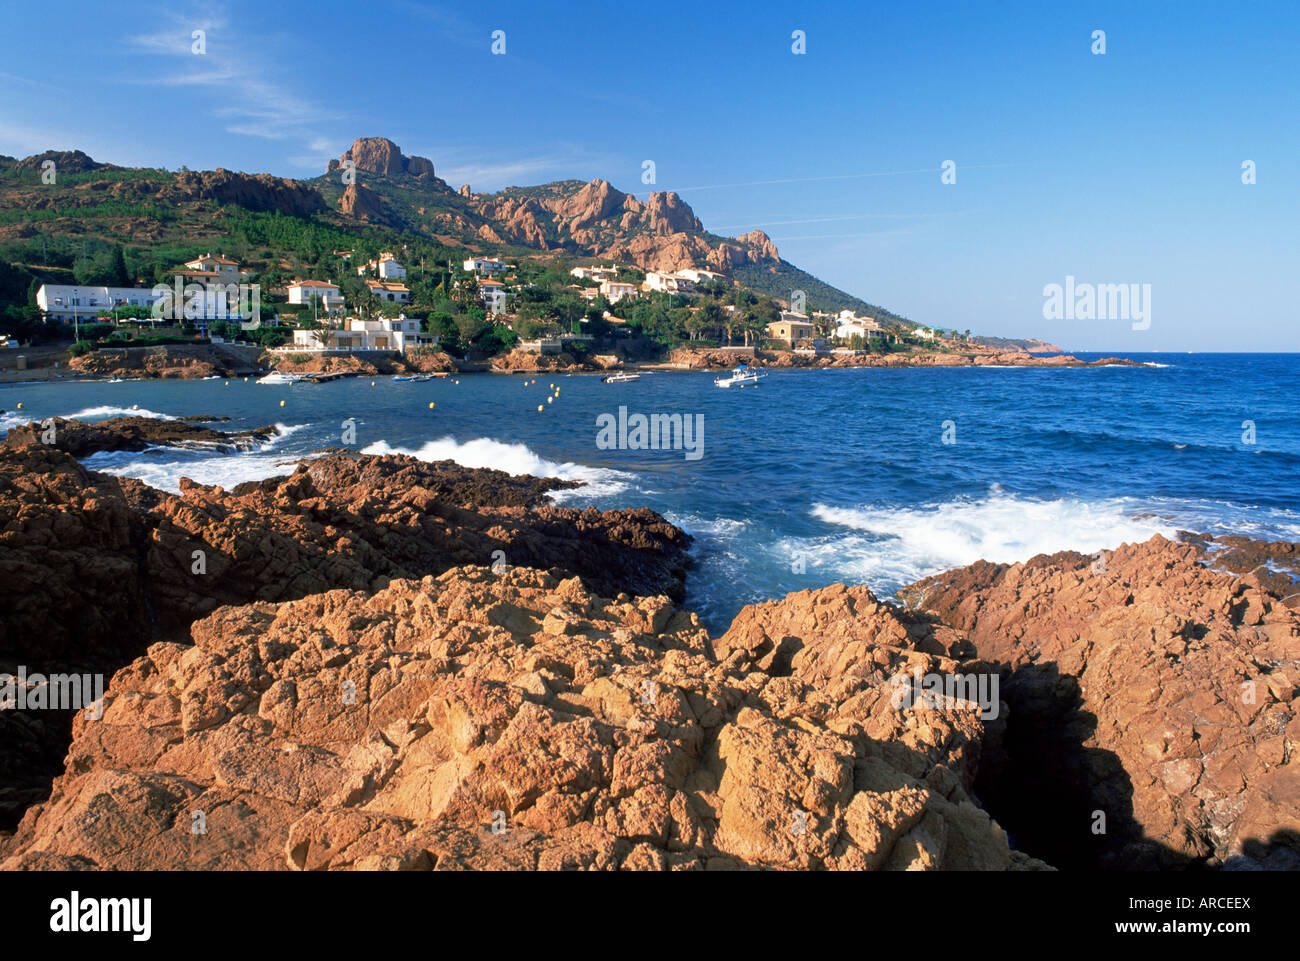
815,476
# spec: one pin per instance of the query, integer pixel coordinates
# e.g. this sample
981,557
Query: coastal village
363,320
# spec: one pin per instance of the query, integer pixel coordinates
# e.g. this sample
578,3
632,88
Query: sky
1122,167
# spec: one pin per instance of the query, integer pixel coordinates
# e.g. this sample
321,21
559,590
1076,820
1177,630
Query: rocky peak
379,155
760,244
669,214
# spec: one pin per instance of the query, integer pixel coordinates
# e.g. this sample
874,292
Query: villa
386,267
67,301
594,273
394,293
664,282
494,294
486,266
386,333
227,270
616,290
791,328
303,291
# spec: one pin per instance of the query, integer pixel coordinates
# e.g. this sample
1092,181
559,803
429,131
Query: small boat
622,377
741,376
418,378
113,380
275,377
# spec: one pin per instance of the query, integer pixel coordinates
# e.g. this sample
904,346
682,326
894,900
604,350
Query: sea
858,476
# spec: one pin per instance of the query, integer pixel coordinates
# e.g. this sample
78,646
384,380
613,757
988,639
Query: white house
488,266
386,333
594,273
386,267
66,301
227,270
394,293
668,283
616,290
494,294
698,275
390,269
302,292
925,333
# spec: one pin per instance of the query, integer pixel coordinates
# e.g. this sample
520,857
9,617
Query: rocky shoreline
389,664
197,362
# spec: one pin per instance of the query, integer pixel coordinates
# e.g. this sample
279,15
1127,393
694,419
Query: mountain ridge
374,185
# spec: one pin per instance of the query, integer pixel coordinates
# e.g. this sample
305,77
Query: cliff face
595,219
602,221
255,192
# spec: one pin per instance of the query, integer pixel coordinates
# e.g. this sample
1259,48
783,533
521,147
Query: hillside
162,216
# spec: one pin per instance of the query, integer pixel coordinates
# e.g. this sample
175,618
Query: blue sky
1119,168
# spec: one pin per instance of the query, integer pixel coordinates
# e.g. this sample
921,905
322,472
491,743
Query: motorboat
418,378
621,377
275,377
742,376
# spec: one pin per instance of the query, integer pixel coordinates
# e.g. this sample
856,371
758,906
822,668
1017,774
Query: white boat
622,377
419,378
741,376
275,377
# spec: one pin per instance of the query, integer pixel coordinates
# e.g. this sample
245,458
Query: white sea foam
1000,527
107,410
514,459
163,466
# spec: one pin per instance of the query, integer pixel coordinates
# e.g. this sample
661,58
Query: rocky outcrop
697,358
506,720
362,203
261,192
379,155
81,439
602,221
1152,697
65,161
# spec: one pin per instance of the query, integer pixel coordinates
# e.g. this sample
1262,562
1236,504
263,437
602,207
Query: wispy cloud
236,71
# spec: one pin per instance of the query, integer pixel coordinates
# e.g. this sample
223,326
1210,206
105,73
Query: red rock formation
380,155
480,720
362,203
81,439
1149,686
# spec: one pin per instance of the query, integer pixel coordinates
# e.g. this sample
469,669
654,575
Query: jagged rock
1148,686
363,204
496,721
380,155
81,439
252,191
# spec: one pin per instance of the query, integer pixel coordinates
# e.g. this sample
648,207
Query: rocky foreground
326,703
